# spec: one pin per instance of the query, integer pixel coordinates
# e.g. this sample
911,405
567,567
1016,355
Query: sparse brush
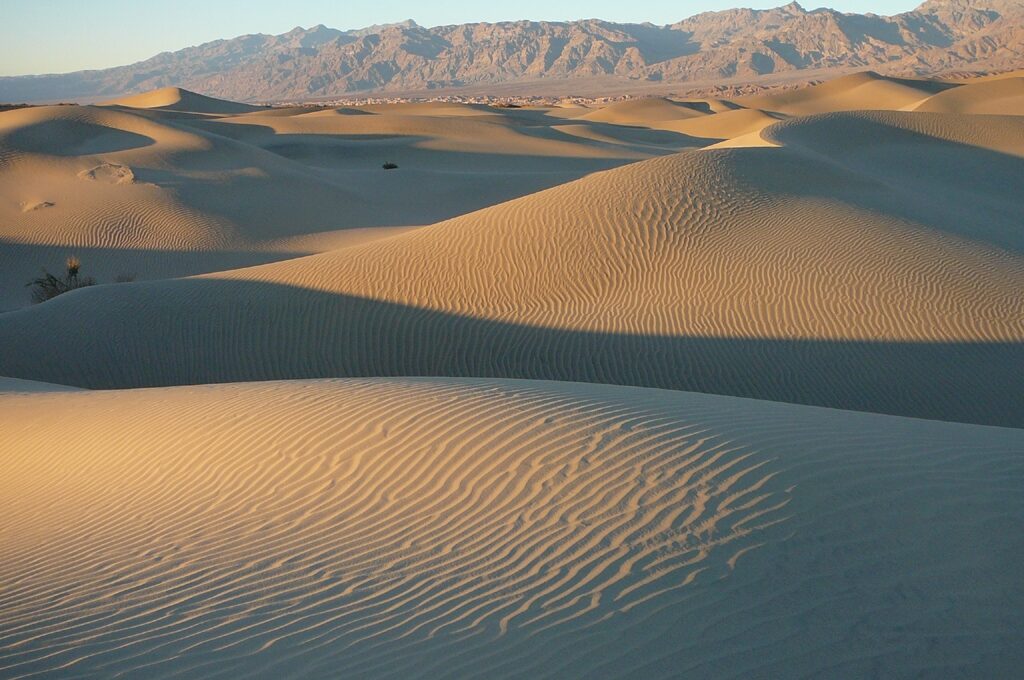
124,278
389,165
48,286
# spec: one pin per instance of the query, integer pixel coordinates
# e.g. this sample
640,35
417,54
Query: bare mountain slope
939,36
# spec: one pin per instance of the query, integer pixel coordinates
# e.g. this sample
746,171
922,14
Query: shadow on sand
204,331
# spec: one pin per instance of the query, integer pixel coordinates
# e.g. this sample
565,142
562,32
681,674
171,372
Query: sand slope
454,528
644,111
858,92
177,99
723,125
871,262
1002,96
17,386
160,193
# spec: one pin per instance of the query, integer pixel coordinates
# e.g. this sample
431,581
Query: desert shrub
48,286
124,278
389,166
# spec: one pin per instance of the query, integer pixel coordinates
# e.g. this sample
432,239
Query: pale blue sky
55,36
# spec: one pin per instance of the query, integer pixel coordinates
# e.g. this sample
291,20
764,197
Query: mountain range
740,45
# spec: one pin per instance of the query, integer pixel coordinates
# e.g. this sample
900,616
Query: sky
57,36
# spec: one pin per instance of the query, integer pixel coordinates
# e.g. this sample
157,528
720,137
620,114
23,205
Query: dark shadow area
660,43
209,330
627,137
297,175
762,64
75,138
931,29
789,53
967,191
535,124
336,186
870,29
19,263
553,52
158,114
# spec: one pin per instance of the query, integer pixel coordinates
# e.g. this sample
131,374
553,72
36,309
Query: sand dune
177,99
1002,96
16,386
174,172
465,133
701,120
866,91
444,528
724,125
855,266
629,250
219,182
645,111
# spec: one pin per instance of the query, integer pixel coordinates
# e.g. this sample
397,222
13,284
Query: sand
866,91
644,111
875,256
1002,96
177,99
663,388
445,528
172,183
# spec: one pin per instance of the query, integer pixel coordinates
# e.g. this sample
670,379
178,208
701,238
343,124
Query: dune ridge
1002,96
857,92
178,99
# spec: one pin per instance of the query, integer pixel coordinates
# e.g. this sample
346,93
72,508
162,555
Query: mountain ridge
939,36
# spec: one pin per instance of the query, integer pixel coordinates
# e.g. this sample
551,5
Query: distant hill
177,99
940,36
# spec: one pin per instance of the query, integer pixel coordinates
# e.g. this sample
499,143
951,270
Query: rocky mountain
741,44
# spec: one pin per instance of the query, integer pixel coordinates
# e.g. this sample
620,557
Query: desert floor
711,388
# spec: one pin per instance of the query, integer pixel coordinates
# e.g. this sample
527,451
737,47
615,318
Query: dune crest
866,91
646,111
178,99
1001,96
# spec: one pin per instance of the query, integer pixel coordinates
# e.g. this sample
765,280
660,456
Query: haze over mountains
741,45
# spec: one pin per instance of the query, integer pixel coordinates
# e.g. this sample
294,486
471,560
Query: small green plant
389,165
48,286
